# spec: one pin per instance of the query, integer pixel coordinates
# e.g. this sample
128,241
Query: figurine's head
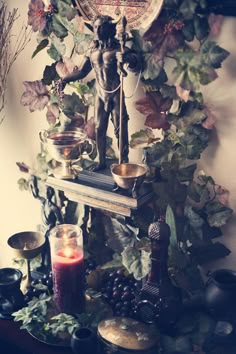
104,28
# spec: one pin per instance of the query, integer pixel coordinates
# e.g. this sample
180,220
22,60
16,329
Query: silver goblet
67,147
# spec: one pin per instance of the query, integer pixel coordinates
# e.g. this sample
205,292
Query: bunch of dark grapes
39,286
89,265
119,291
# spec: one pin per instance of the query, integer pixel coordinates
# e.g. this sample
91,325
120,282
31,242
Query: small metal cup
129,176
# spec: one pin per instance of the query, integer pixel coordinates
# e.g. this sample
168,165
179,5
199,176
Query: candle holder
27,245
66,245
11,297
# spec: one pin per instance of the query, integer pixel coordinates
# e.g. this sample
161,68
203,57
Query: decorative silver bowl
67,147
129,176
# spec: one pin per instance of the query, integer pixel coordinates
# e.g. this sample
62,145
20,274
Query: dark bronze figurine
51,216
107,57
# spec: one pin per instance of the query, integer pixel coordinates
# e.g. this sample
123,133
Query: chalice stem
28,274
66,168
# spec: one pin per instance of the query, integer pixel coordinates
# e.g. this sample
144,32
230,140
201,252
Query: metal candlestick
27,245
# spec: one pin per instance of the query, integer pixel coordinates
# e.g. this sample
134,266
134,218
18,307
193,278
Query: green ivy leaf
186,174
54,53
136,262
188,9
153,67
206,75
116,262
170,220
65,10
195,191
50,74
59,44
201,27
23,184
188,31
214,54
58,29
195,221
72,104
43,44
142,139
218,214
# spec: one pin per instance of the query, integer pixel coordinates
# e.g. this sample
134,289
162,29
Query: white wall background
19,211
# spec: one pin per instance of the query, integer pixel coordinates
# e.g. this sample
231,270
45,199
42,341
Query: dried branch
9,55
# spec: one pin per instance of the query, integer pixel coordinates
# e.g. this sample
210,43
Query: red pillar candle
66,243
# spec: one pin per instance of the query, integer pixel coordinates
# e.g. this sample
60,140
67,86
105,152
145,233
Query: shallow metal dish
129,176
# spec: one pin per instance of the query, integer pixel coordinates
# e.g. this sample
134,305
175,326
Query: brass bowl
128,175
27,244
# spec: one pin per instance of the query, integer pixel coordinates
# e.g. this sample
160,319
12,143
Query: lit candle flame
68,252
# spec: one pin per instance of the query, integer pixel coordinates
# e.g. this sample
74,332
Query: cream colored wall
19,142
219,160
19,137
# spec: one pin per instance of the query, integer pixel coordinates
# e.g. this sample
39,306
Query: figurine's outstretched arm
80,73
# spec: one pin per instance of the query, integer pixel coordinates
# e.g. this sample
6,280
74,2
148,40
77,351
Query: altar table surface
13,340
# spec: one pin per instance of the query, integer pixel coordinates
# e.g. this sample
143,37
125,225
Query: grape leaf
155,107
136,262
120,233
35,96
36,15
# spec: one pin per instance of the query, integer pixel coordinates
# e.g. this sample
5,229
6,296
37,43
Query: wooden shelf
96,190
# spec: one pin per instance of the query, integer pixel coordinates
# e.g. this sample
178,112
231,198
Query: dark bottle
220,294
11,297
84,341
159,300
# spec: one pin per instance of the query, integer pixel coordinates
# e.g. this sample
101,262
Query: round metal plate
139,13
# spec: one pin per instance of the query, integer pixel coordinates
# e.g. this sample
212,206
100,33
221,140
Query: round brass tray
139,13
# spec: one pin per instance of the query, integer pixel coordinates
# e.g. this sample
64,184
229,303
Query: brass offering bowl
66,147
129,176
27,245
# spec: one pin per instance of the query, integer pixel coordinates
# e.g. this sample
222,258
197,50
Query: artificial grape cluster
40,286
89,265
119,291
60,90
